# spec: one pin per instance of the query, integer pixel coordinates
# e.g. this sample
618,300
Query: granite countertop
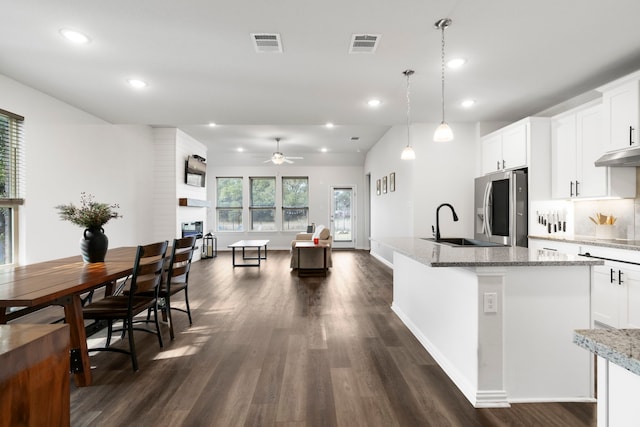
632,245
441,255
619,346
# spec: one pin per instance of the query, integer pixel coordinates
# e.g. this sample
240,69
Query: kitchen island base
502,334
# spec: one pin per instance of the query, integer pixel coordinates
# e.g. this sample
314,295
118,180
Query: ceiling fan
278,158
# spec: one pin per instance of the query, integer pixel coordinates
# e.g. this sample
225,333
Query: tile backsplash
624,210
627,212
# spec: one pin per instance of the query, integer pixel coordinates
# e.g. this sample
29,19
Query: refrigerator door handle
486,222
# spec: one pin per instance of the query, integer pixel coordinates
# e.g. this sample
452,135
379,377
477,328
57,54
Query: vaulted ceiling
200,64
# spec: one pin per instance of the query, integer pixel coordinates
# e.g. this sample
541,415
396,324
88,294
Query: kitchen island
498,320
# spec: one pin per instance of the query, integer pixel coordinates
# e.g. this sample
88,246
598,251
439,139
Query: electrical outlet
490,302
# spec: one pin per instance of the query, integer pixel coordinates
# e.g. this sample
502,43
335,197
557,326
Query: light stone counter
620,346
442,255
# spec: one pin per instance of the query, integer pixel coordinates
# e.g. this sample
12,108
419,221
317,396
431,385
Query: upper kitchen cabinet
523,144
505,149
576,142
621,107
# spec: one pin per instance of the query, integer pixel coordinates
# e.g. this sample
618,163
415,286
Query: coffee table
308,271
252,244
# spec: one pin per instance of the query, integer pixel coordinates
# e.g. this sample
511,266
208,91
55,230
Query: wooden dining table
24,289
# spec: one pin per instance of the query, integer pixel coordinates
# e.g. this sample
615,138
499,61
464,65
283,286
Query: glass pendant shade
408,153
443,133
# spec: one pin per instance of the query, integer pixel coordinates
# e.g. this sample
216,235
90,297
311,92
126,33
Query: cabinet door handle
498,165
577,191
620,281
631,129
571,190
611,279
503,164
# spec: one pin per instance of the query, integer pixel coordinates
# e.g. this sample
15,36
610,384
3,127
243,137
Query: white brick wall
172,147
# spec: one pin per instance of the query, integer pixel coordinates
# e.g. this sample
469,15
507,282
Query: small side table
309,271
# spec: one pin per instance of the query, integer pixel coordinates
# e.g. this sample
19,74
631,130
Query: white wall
441,173
67,152
321,179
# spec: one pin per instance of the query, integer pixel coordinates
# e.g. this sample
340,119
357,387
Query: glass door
343,217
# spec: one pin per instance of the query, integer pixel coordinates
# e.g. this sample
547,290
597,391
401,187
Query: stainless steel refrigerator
501,208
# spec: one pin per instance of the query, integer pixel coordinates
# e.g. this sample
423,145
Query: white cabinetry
576,142
618,391
523,144
616,295
621,100
615,290
505,149
563,157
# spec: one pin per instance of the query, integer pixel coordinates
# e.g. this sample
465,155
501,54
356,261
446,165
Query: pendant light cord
442,70
408,73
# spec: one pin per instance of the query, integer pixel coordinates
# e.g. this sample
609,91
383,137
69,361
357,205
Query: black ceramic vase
94,245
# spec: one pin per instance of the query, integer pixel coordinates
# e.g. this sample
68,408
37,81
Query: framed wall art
378,187
384,184
392,181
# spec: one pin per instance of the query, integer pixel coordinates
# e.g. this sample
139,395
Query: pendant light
443,132
408,153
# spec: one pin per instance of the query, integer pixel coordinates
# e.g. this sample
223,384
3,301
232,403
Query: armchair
312,258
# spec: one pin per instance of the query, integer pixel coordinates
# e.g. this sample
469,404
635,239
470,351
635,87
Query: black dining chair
141,296
177,278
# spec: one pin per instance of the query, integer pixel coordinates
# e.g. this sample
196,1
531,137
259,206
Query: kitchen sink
462,242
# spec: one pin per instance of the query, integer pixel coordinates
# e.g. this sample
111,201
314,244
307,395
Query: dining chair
141,296
177,278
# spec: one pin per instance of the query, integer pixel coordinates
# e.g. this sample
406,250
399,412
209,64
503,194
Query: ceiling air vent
364,43
263,42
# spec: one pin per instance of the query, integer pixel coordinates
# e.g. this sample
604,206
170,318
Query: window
229,204
263,204
295,203
11,182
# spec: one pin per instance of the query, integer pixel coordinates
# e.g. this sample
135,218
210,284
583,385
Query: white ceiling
198,58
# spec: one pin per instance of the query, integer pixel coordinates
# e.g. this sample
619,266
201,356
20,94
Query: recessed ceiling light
212,124
373,102
74,36
324,150
456,62
329,125
138,84
467,103
240,149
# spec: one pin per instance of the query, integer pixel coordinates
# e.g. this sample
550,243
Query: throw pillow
316,234
324,234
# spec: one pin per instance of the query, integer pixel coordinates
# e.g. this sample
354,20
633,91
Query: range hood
623,158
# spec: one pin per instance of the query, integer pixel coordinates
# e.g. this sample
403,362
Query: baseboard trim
478,398
382,260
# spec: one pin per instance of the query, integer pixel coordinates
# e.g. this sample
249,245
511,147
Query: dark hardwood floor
270,349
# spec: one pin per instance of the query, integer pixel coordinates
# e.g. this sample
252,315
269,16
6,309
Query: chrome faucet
455,218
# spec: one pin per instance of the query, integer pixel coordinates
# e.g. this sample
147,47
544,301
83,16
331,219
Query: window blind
12,178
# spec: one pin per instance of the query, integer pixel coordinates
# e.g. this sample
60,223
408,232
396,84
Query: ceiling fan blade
295,158
287,160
